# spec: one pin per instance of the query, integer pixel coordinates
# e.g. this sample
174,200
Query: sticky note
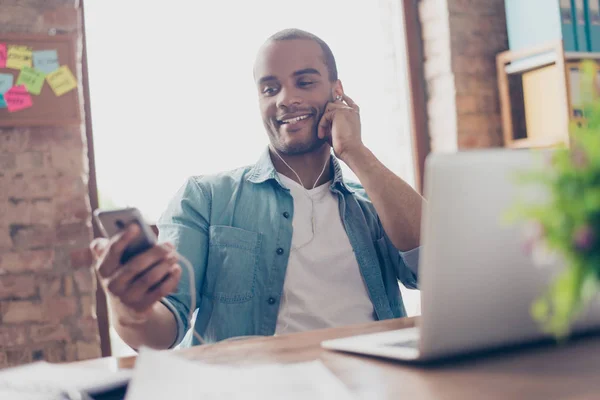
2,55
6,82
17,98
2,102
61,80
45,61
19,57
32,79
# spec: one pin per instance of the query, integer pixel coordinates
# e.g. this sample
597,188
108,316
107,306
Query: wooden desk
539,372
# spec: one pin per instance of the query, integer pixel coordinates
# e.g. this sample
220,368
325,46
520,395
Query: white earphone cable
312,205
188,265
300,180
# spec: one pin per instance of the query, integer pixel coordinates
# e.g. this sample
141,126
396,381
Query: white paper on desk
160,374
42,376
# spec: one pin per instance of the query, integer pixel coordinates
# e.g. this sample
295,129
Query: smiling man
285,245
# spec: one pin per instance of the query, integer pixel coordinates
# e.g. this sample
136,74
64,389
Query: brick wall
46,289
461,39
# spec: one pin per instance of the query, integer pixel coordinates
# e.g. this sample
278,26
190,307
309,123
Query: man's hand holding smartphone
135,286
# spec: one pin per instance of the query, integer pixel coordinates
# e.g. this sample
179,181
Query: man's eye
305,83
268,90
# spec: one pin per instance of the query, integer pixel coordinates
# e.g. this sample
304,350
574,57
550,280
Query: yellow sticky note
19,57
61,80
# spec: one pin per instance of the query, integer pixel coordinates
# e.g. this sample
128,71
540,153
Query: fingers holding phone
132,267
110,251
153,284
138,282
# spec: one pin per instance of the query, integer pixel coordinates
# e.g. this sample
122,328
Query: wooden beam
101,306
416,77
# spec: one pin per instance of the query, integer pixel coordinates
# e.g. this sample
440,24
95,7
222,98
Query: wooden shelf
579,55
537,144
536,87
531,63
534,96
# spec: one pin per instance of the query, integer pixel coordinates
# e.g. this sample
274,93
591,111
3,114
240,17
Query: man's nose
288,97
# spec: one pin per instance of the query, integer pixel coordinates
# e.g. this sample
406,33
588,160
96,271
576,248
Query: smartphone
112,222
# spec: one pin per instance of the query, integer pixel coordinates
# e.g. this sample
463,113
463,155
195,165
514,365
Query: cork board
47,108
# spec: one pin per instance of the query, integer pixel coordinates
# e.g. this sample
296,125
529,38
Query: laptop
477,282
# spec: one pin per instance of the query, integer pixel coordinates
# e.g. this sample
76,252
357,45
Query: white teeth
292,121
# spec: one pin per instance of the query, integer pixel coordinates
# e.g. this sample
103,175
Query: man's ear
337,89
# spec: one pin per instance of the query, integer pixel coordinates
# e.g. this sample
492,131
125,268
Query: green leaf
572,178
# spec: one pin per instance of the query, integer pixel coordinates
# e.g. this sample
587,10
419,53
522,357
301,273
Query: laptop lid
477,282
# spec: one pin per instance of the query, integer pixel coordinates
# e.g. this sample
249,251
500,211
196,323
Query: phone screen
138,246
116,221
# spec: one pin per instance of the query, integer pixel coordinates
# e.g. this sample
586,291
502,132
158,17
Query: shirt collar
264,170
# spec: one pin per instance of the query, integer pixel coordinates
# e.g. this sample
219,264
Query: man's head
296,76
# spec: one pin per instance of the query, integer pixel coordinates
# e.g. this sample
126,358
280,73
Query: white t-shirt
323,286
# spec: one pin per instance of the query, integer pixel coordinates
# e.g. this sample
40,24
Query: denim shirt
236,230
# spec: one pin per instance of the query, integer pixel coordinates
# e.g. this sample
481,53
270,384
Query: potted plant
568,224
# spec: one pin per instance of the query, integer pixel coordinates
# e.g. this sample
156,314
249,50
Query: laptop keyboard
406,343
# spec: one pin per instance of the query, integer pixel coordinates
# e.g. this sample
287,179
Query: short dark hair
328,58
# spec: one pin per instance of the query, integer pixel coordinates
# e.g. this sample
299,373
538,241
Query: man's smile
292,119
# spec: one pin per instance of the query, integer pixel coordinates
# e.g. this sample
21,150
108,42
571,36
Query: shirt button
271,300
280,251
286,214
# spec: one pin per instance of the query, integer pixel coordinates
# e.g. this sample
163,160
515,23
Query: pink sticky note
17,98
2,55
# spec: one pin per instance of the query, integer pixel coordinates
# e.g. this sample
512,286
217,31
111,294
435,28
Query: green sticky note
2,102
32,79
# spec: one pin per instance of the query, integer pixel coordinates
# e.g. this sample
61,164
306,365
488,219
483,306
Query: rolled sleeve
411,259
185,224
405,263
407,267
179,318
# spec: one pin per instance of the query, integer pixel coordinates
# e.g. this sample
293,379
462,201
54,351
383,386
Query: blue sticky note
2,102
6,82
45,61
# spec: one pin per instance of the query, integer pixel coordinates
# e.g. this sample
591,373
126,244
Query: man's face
293,89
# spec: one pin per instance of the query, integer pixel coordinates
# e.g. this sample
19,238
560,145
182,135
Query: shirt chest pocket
232,262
